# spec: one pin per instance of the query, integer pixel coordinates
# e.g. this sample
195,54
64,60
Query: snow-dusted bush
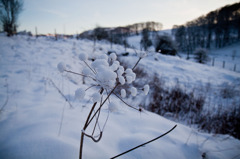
226,122
229,90
201,56
174,102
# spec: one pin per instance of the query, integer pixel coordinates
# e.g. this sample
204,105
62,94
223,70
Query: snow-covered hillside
37,122
224,58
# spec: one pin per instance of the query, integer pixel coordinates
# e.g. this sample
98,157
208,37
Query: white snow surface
37,122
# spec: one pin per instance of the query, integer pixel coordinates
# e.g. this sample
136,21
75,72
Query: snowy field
37,122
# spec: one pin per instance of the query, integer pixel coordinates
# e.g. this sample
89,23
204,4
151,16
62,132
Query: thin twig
61,93
96,123
125,102
105,122
145,143
6,101
60,128
102,104
95,140
89,67
136,63
86,125
91,87
80,74
97,118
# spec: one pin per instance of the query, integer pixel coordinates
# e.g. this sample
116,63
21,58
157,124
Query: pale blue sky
72,16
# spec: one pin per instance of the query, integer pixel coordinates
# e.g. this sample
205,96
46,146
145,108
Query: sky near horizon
75,16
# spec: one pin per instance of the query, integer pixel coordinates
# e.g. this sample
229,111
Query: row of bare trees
9,12
217,29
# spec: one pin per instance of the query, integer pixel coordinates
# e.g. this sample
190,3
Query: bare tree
9,12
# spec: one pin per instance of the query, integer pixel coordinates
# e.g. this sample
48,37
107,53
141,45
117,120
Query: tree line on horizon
216,29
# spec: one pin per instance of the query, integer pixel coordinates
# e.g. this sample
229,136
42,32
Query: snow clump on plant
79,93
61,67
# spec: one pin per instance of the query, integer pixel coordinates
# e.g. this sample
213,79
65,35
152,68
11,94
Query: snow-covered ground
224,58
227,58
37,122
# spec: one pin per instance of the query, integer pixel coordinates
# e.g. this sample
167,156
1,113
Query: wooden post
223,64
234,68
55,32
36,32
213,60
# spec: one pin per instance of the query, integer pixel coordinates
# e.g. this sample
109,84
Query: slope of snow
36,121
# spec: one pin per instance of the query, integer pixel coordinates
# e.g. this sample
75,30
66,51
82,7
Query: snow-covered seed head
97,64
121,80
112,107
128,71
79,93
129,79
103,56
116,63
106,77
61,67
83,56
123,93
96,97
121,68
113,56
120,71
114,67
86,71
146,89
133,91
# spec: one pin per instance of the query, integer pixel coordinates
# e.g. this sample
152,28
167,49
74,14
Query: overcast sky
72,16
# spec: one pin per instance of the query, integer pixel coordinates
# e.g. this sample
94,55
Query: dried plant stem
102,103
86,125
97,112
6,101
146,142
136,63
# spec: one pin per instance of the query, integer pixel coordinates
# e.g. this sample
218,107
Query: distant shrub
226,122
165,45
174,102
200,55
228,90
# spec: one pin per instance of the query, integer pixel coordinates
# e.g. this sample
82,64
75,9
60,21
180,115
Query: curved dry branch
91,137
146,142
126,102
